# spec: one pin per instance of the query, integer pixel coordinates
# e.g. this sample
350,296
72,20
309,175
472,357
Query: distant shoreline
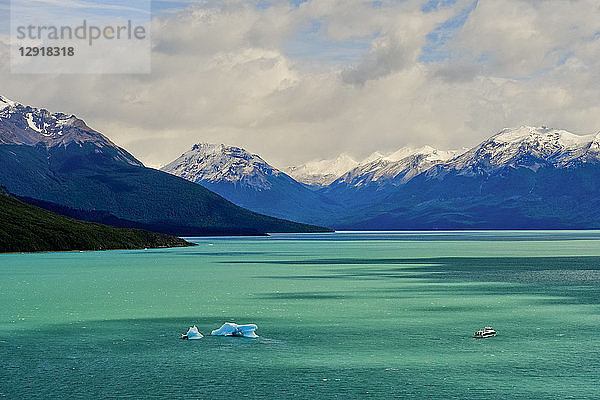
94,250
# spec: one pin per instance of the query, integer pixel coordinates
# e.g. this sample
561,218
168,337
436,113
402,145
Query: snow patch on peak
372,157
50,125
214,163
399,154
431,154
395,168
529,147
208,148
322,172
539,134
6,103
32,124
66,121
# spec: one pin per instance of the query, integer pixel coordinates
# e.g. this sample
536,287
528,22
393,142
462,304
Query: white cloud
398,46
520,38
221,74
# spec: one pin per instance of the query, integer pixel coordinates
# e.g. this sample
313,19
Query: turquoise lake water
346,315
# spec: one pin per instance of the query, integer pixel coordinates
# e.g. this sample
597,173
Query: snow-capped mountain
528,147
396,168
520,178
215,163
56,161
26,125
378,167
322,172
247,180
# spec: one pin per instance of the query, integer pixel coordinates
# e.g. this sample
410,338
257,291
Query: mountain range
520,178
60,163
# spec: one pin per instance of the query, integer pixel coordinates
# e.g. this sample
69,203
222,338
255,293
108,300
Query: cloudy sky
300,80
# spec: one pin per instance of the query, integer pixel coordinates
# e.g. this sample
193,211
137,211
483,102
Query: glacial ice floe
192,333
231,329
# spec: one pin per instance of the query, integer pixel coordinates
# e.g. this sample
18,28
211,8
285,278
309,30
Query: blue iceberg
192,334
231,329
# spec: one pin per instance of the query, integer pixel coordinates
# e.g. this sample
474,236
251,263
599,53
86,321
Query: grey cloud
388,57
457,71
221,75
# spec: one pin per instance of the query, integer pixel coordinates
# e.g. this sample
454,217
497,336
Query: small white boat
192,334
486,332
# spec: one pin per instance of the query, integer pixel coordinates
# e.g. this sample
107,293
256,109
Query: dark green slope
25,228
